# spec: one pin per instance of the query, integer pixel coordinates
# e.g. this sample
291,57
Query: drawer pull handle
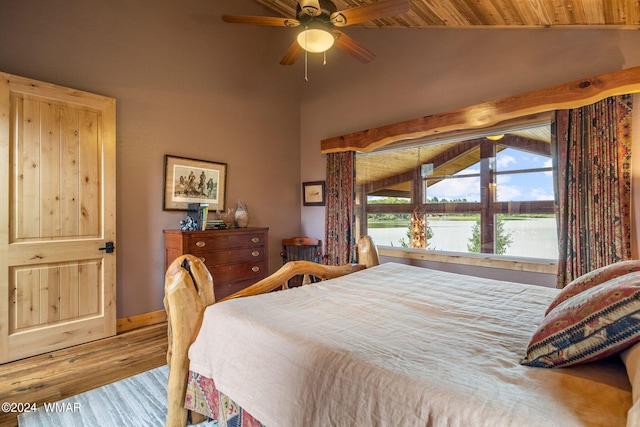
201,259
255,253
200,244
255,269
255,239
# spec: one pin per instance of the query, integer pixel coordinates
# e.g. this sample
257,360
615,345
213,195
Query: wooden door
57,209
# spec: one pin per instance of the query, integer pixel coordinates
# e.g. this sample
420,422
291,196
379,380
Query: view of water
534,237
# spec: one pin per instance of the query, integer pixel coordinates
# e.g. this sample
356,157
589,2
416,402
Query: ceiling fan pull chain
306,79
324,62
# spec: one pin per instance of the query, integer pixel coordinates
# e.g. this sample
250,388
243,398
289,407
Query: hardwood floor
57,375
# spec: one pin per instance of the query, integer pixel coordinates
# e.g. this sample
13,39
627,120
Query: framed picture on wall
313,193
193,181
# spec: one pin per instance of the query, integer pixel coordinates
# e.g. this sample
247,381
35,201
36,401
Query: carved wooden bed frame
188,291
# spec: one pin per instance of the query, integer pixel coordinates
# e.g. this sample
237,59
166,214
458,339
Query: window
484,193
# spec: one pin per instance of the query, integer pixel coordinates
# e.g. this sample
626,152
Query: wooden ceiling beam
454,152
391,181
529,145
570,95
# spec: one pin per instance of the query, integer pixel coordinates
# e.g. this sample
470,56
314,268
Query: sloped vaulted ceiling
494,13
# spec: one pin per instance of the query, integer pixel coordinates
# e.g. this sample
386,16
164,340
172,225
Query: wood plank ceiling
495,13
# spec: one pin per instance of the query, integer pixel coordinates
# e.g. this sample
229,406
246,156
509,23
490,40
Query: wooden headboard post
188,290
367,252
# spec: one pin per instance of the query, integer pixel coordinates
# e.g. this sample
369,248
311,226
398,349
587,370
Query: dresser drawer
225,289
232,256
234,272
196,244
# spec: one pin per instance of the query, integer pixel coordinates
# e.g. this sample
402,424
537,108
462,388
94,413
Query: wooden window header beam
570,95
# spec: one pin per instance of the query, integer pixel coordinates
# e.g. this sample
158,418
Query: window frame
488,206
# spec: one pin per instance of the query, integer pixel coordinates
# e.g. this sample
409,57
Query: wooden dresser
236,257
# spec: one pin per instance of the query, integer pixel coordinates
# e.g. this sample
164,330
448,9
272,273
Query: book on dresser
199,213
235,257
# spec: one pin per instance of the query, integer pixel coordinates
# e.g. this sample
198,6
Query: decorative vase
228,217
242,214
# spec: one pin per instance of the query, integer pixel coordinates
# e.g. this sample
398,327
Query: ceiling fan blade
292,54
261,20
369,12
310,7
353,48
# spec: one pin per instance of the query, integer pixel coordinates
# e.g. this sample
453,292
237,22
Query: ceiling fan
319,19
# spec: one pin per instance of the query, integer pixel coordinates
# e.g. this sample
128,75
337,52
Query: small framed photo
193,181
313,193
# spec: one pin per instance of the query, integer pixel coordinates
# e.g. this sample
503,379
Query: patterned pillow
594,324
594,278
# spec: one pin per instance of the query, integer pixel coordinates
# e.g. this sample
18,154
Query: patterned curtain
594,186
339,238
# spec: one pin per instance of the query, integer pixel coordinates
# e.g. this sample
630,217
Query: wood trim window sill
535,265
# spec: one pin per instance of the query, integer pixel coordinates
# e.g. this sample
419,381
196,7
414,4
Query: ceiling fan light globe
315,40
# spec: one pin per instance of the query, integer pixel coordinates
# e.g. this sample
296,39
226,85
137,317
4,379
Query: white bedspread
396,345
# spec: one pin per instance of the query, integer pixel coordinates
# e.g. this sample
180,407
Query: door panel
56,170
57,288
47,294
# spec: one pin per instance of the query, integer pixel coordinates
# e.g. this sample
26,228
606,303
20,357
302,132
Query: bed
387,345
